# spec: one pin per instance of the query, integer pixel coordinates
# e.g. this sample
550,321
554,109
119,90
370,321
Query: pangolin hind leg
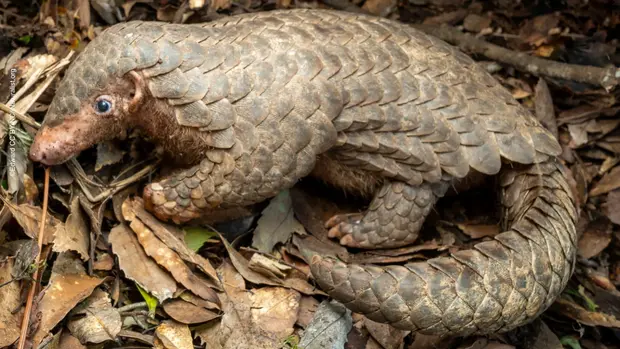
393,219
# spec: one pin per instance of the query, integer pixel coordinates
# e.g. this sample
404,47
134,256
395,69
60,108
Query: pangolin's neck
184,145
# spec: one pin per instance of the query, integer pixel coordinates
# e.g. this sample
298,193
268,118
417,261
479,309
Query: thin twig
608,78
33,286
28,120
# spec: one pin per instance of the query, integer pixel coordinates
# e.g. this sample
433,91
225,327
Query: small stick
33,286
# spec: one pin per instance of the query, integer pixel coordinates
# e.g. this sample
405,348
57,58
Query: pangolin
250,104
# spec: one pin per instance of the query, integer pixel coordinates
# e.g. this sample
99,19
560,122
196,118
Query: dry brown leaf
108,153
171,236
307,308
477,231
68,286
476,23
609,182
612,207
174,335
595,238
277,223
29,216
545,111
171,261
209,334
580,314
137,266
546,339
386,335
579,134
67,341
76,235
98,321
188,313
104,262
219,4
10,300
380,8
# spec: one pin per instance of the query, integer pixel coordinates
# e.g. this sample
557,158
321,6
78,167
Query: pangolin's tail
494,287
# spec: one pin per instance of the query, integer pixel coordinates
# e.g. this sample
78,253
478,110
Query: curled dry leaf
9,301
329,328
171,261
276,224
137,266
76,235
242,265
174,335
68,286
29,216
171,236
98,321
188,313
582,315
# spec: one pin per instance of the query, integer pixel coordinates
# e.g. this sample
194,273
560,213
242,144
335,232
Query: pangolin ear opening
138,93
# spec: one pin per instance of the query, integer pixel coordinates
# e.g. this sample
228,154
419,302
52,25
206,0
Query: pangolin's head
93,103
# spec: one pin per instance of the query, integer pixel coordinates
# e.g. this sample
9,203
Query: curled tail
494,287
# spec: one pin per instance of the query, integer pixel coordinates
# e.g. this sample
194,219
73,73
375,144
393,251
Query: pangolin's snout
50,148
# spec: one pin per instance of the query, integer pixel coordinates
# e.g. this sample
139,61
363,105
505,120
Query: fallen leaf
307,309
276,224
476,23
580,314
76,235
108,154
9,301
174,335
171,261
99,321
274,310
545,111
28,217
612,207
579,134
188,313
104,262
67,341
68,286
137,266
171,236
386,335
595,238
477,231
546,339
609,182
380,8
329,328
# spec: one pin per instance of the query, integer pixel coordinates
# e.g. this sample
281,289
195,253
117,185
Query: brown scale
248,105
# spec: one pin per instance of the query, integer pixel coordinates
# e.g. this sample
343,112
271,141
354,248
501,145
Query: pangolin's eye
103,106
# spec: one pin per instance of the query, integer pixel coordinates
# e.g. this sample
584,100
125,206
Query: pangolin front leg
187,194
393,219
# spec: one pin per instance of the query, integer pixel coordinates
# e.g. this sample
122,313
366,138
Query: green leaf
25,39
195,237
151,302
569,341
